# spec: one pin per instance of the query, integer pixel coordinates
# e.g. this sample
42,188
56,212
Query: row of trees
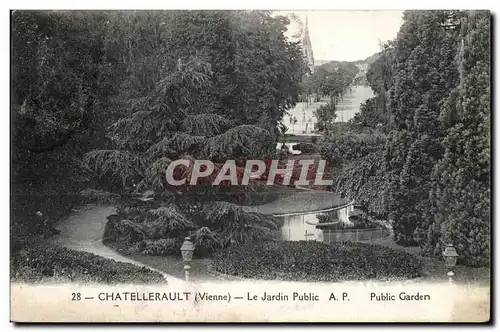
433,101
332,80
144,88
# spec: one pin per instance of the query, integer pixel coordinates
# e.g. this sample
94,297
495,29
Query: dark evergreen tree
461,196
424,75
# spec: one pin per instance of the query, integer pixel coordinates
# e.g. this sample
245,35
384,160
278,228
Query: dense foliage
62,84
315,261
438,153
357,157
425,72
306,147
461,196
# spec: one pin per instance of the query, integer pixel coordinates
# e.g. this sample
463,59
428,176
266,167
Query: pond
302,226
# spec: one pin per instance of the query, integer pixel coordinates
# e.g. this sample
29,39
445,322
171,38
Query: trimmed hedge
316,261
32,264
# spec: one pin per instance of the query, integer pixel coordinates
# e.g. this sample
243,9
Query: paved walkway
304,114
346,108
349,106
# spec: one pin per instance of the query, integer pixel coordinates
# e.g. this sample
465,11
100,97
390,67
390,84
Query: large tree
223,81
424,75
461,198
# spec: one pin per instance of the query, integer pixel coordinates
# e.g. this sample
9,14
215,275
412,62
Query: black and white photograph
329,166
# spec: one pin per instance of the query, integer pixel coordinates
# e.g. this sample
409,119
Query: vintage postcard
250,166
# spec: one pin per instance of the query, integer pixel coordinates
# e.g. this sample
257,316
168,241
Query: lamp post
187,250
450,259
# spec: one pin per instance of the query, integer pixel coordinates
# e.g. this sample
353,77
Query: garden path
83,231
346,109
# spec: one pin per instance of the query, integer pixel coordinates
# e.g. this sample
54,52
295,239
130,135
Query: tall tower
307,48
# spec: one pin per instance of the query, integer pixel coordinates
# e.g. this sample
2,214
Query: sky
347,35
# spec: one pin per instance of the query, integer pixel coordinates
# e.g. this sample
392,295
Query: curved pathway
83,231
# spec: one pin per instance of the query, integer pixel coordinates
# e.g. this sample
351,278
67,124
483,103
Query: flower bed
316,261
32,264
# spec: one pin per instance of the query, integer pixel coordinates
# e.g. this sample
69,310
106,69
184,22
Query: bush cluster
35,263
316,261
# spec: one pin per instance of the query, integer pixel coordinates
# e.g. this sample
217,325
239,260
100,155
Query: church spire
307,47
306,40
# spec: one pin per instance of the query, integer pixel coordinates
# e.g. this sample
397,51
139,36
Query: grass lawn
435,271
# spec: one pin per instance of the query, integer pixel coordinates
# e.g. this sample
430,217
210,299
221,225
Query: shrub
98,196
316,261
160,247
54,205
118,229
205,242
166,220
349,146
234,223
133,224
36,263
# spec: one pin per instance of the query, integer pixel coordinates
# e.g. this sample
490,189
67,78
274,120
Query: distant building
307,48
360,78
362,66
